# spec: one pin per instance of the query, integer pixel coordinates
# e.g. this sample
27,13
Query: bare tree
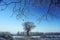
28,26
20,6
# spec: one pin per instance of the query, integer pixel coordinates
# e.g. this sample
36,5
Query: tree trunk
27,33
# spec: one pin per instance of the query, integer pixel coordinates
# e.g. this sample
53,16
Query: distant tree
28,26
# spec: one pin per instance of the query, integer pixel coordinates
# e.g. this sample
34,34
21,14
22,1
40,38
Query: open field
43,36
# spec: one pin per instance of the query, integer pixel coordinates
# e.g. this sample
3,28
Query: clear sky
11,24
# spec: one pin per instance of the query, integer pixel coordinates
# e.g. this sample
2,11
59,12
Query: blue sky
11,24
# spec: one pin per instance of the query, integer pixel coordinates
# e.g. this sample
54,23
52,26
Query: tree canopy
22,7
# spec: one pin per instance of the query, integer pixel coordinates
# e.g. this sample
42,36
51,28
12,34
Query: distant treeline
38,33
31,33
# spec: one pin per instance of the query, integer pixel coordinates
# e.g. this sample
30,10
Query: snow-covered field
26,38
33,38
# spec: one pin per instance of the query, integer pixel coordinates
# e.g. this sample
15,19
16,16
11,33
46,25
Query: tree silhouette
28,26
22,7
